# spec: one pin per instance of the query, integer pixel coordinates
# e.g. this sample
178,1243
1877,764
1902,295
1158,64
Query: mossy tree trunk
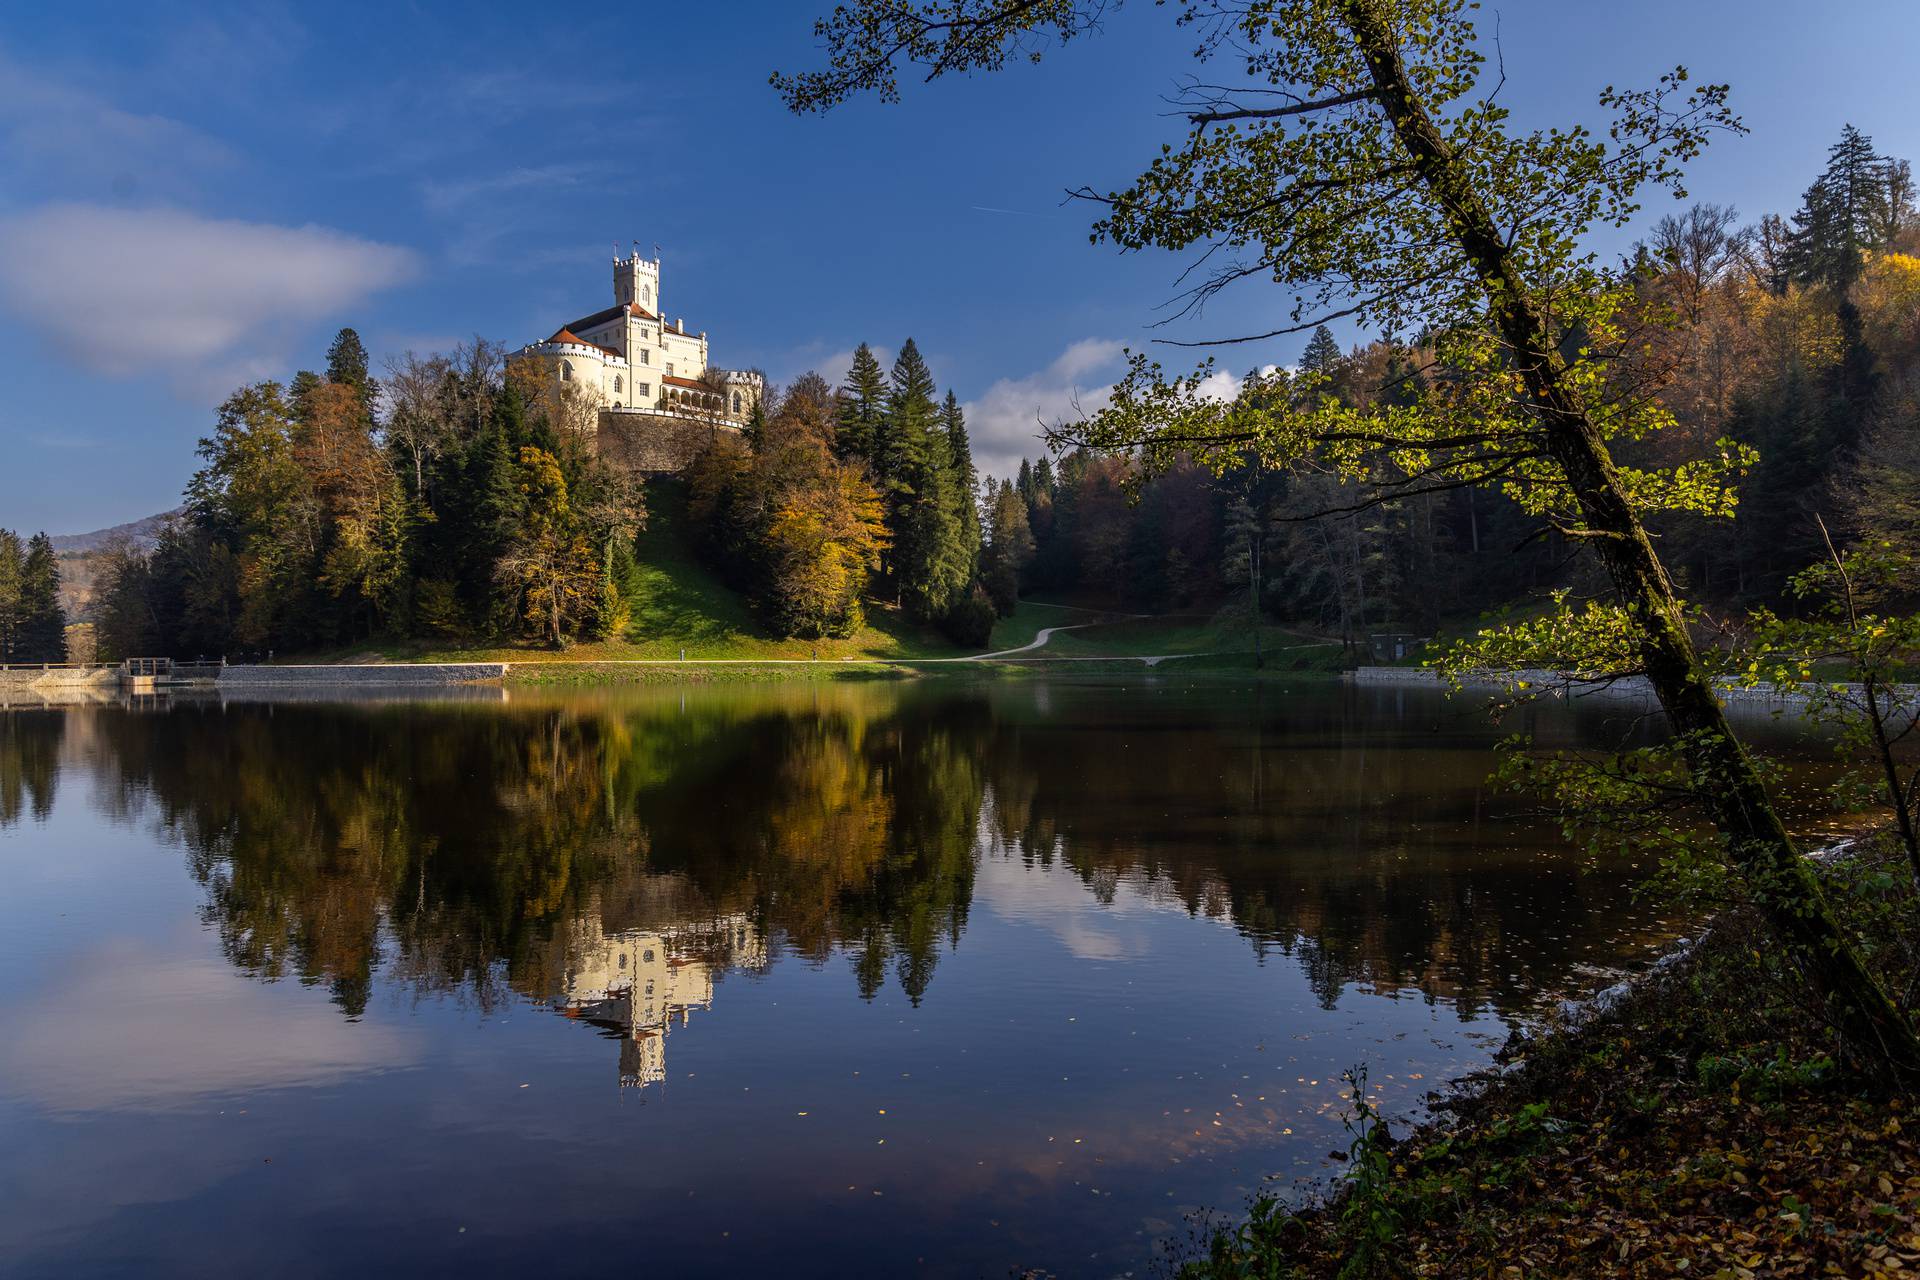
1779,880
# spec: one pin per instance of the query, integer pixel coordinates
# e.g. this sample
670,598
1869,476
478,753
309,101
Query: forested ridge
1790,345
457,499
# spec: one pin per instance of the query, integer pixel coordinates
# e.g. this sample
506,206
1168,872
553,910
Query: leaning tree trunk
1779,880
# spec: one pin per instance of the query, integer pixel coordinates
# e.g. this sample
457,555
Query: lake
938,978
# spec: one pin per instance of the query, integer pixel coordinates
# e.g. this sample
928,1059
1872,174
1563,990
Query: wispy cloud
205,295
455,194
62,133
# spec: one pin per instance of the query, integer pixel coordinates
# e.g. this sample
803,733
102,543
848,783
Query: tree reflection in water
613,853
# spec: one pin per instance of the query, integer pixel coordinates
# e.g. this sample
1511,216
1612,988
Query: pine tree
1009,547
1043,481
863,406
912,414
12,610
966,481
1024,484
43,623
300,393
347,366
1322,356
1847,213
928,556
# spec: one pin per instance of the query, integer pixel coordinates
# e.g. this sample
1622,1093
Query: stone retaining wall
373,675
1631,689
654,446
57,677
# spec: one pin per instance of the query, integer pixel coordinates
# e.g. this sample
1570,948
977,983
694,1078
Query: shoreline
1689,1119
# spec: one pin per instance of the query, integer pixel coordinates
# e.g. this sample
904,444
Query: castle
645,379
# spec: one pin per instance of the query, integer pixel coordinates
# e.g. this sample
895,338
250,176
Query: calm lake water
802,980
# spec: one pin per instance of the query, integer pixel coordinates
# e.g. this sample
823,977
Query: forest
1790,345
454,500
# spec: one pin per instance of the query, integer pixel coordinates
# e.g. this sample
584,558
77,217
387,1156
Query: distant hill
144,533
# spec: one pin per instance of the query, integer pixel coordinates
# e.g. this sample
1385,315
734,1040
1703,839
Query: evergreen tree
1322,356
863,406
929,554
912,416
347,366
1853,208
12,597
1009,547
300,393
43,623
610,613
1043,481
966,481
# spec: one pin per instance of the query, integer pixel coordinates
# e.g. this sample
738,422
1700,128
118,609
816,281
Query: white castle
629,360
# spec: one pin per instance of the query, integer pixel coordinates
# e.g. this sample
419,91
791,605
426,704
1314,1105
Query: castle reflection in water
634,983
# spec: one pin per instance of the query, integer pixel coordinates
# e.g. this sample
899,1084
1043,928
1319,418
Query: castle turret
637,279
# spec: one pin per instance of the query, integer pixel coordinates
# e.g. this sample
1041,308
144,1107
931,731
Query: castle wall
653,444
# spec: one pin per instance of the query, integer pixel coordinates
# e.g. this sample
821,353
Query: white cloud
1004,421
124,291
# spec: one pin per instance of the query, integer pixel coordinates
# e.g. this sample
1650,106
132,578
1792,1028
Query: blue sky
192,196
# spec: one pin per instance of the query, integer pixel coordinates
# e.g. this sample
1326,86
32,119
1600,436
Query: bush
970,622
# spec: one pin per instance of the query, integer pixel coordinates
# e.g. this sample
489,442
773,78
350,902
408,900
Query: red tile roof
568,335
694,383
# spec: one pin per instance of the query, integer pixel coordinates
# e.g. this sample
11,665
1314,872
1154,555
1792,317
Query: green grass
682,609
1220,640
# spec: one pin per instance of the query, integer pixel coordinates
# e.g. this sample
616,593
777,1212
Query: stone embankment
372,675
44,686
1628,689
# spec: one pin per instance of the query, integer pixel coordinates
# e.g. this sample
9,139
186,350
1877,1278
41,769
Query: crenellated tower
637,279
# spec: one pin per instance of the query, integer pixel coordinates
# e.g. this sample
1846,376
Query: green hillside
683,609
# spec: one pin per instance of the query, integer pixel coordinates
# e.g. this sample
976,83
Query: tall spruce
1856,205
966,481
43,622
863,406
12,597
928,557
347,366
1322,355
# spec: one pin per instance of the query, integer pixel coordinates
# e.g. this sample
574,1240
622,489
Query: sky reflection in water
809,980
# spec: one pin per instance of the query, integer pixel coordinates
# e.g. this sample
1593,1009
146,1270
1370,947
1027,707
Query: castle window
642,390
566,371
646,356
736,402
669,368
618,386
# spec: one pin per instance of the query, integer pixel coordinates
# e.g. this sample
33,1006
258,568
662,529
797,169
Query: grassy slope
1223,637
683,606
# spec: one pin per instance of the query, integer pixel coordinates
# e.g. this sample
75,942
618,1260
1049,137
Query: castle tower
637,279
